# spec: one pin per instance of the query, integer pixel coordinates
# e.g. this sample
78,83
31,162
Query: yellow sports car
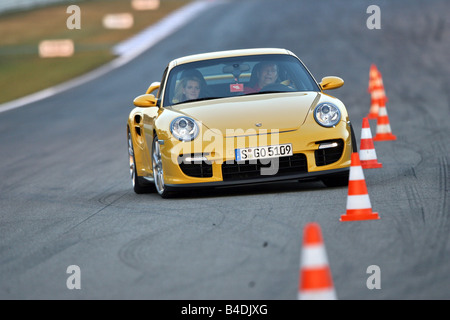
238,117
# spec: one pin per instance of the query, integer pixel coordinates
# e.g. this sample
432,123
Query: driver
266,73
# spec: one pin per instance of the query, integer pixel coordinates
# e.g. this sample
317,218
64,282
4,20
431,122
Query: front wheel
158,171
354,143
140,185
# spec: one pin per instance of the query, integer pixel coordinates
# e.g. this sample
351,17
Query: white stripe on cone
378,94
358,202
366,134
313,256
384,128
367,154
356,173
383,111
324,294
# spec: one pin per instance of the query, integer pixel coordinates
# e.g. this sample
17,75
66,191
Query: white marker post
56,48
118,21
145,4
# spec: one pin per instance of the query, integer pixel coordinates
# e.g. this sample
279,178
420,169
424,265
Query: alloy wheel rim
158,172
131,159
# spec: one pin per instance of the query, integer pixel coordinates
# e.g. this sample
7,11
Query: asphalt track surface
66,196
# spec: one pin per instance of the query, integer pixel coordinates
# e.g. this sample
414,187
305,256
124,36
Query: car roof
228,53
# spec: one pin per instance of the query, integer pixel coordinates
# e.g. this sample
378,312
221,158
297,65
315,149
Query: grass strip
23,72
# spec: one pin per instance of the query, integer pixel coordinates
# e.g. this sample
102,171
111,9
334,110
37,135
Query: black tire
354,143
336,180
140,185
158,172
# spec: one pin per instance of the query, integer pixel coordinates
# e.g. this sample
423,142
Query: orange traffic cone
367,153
358,201
373,75
373,83
381,94
377,96
374,107
315,280
383,127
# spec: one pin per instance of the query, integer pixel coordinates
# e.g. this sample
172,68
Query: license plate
281,150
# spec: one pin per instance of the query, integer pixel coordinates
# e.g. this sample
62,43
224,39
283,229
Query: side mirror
145,101
153,87
331,82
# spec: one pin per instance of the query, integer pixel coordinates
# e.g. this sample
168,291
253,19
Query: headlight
184,128
327,114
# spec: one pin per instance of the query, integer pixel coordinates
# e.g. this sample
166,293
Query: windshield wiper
268,91
199,99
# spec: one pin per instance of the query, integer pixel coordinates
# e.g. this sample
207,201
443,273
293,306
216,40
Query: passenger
187,89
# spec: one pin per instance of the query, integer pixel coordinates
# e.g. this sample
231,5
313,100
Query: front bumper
262,179
215,169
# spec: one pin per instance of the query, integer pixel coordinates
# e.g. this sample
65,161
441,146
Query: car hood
270,111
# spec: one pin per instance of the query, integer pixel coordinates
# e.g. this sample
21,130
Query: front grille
329,155
241,170
197,169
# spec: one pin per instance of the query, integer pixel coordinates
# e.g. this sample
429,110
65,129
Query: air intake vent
252,169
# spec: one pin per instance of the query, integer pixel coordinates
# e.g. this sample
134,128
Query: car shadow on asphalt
251,189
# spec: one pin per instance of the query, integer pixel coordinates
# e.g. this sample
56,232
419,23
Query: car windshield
236,76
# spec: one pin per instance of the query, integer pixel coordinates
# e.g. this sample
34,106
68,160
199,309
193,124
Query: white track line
127,51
